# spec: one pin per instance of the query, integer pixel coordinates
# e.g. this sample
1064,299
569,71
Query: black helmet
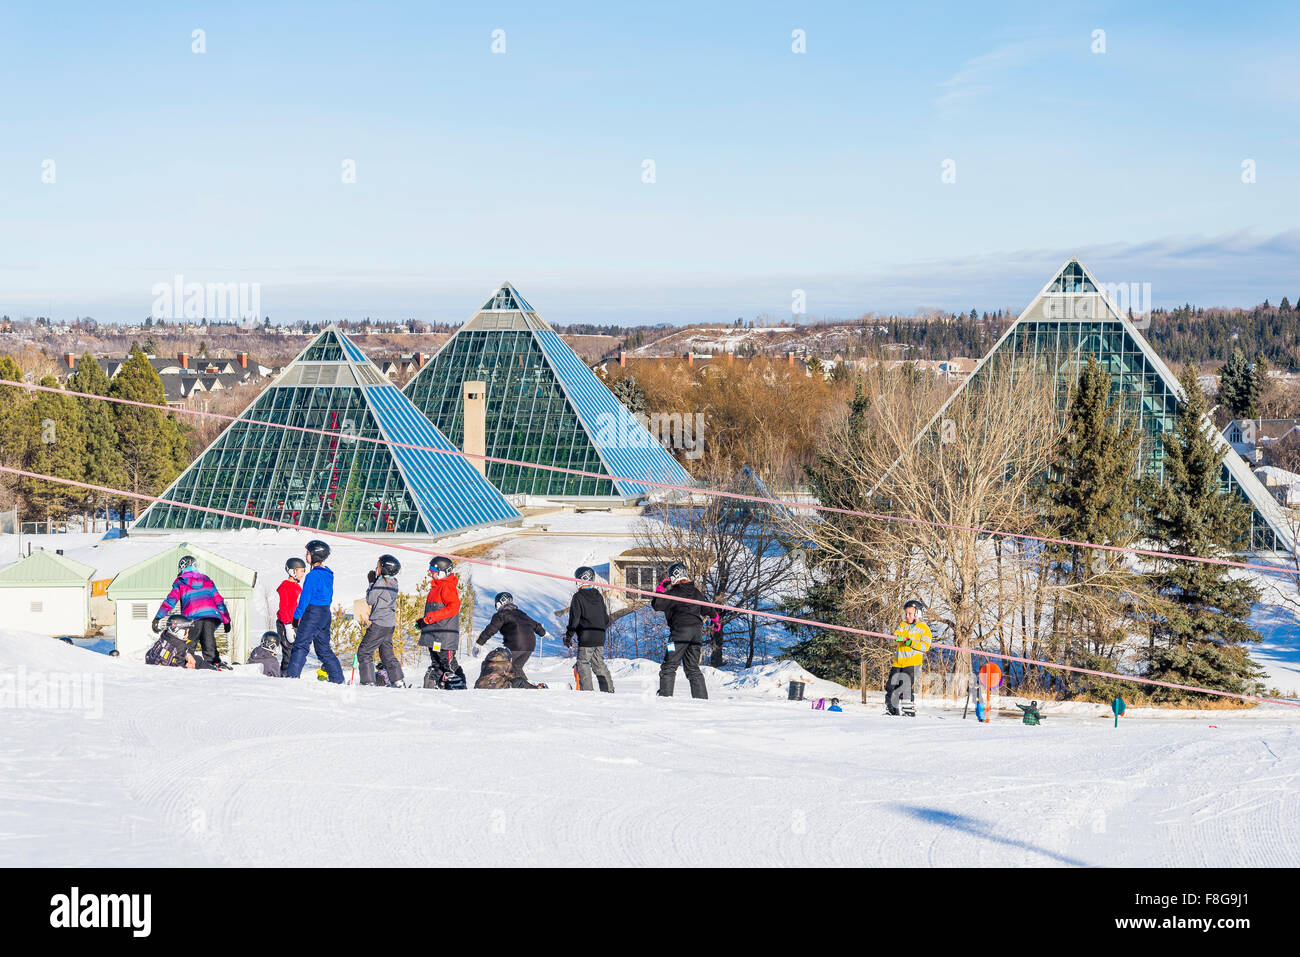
318,550
389,565
441,562
914,603
504,598
187,561
179,625
585,574
677,572
293,563
270,641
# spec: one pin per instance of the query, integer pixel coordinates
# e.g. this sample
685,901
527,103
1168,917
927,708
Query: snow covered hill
160,766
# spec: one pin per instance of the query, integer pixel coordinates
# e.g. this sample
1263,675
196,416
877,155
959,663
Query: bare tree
739,553
971,467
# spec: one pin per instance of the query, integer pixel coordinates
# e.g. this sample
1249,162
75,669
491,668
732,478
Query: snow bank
166,766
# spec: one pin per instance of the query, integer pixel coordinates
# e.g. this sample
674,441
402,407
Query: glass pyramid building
1073,316
543,406
331,481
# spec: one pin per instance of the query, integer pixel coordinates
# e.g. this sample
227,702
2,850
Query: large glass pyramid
544,406
332,481
1073,317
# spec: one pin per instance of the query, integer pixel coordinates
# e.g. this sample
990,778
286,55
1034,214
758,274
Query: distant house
1281,484
186,374
1250,438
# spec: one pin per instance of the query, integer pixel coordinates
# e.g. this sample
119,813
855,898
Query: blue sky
774,171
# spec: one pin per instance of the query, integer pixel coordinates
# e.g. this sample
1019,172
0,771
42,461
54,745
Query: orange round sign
990,675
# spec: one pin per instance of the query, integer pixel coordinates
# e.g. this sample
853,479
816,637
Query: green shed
46,593
138,591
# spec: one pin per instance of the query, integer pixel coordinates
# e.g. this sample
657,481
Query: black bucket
796,690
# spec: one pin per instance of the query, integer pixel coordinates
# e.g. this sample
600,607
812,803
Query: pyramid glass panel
544,406
1072,319
331,478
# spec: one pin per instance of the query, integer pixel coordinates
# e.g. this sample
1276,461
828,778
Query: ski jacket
1032,714
269,661
685,619
517,629
195,596
288,591
911,642
497,672
381,596
169,651
317,589
588,618
441,622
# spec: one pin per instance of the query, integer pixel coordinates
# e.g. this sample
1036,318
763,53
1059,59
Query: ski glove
475,650
569,641
157,626
295,624
662,586
225,626
715,623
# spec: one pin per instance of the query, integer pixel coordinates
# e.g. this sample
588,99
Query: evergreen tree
1236,386
56,447
15,426
1201,639
103,457
152,443
1092,495
1259,383
631,395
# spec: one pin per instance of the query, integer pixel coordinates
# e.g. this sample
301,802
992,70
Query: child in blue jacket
312,616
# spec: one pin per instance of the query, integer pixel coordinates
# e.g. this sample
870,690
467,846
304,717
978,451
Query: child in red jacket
289,591
440,624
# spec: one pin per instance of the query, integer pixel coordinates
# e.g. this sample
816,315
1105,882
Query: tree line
87,440
1001,458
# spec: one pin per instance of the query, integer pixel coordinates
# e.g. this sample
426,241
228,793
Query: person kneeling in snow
176,649
267,654
498,673
1032,714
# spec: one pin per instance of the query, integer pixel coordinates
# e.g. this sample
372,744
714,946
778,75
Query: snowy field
167,767
156,766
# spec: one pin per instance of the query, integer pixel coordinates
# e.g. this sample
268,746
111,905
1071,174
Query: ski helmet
915,603
441,563
585,574
270,641
677,573
504,598
293,563
389,565
318,551
187,561
179,625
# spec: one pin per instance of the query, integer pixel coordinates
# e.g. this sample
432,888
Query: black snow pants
687,653
902,685
517,661
286,646
379,638
205,630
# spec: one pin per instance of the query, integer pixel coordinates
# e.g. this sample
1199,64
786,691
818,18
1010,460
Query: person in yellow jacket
911,642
